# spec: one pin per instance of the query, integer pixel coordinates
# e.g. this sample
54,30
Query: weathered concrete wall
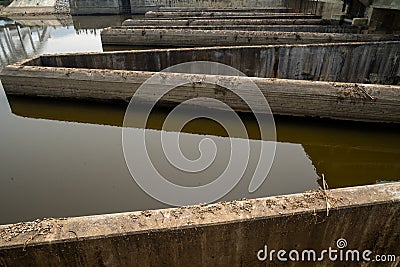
352,62
90,7
232,15
210,3
386,4
229,9
276,28
384,20
192,38
226,14
90,76
222,234
347,62
221,22
93,7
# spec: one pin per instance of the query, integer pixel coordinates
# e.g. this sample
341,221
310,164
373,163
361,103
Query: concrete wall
210,3
386,4
221,22
92,7
131,36
103,77
276,28
222,234
89,7
352,62
224,14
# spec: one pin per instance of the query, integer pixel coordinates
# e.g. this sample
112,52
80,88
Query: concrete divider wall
89,7
178,14
210,3
375,62
347,101
221,234
192,38
221,22
276,28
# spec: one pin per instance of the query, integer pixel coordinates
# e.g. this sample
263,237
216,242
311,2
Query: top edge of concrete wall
356,196
225,233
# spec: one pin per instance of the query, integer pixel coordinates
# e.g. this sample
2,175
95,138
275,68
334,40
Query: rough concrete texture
210,3
276,28
103,77
36,7
221,22
95,7
221,234
242,15
174,14
374,62
192,38
232,9
386,4
90,7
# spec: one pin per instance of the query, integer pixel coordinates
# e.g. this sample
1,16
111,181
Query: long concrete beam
221,234
358,102
221,22
231,15
276,28
192,38
227,9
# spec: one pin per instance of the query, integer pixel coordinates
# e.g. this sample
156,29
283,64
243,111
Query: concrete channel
304,65
221,234
300,80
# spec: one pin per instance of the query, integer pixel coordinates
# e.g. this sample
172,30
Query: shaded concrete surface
189,37
91,7
221,234
114,76
175,14
231,9
375,62
282,28
250,16
222,21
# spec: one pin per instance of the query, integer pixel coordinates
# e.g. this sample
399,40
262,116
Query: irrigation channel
64,158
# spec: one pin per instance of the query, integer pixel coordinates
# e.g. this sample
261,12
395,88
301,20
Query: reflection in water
25,38
56,168
347,153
